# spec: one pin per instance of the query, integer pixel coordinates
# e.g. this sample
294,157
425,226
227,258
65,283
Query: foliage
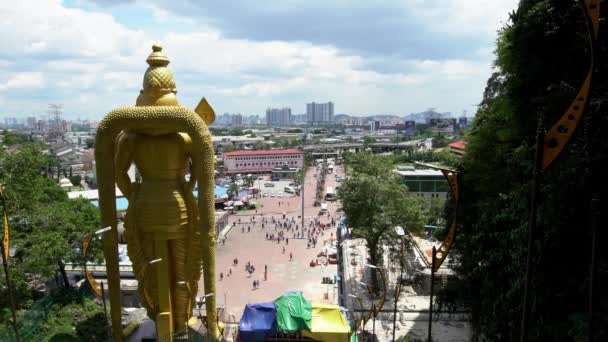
14,138
368,140
46,227
248,181
367,163
440,141
75,316
444,157
75,180
217,131
308,159
374,201
233,190
542,58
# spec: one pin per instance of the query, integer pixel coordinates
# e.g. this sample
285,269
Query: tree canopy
375,201
46,227
542,59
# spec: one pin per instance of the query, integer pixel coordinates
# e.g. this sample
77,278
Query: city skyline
89,56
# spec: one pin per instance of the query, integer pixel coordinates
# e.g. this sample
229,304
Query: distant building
352,121
427,183
223,120
275,116
236,120
299,118
261,161
458,148
320,112
374,126
463,122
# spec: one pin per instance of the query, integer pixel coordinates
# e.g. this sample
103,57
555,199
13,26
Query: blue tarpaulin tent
258,322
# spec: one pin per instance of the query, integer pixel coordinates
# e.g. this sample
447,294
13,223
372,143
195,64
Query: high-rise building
320,112
236,120
275,116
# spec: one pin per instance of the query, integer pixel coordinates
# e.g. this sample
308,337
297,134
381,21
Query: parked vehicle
269,185
323,209
288,190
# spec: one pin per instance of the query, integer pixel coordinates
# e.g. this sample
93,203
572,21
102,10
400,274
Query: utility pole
430,338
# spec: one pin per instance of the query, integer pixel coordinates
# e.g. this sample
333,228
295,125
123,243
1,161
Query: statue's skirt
160,209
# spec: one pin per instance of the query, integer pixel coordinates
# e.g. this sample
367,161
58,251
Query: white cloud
92,63
23,80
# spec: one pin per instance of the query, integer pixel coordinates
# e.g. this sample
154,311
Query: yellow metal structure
5,241
558,136
452,177
169,237
85,247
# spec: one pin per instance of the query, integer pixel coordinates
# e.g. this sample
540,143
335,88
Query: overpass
377,147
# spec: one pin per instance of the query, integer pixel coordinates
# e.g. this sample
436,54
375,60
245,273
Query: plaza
246,241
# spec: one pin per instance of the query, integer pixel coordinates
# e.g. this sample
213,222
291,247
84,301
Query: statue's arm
123,160
193,167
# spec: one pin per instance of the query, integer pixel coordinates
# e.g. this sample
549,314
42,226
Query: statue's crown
157,58
158,79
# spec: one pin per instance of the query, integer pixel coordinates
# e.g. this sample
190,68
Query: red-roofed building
261,161
458,148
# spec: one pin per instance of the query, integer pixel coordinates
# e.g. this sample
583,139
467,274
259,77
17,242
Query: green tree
75,180
248,181
368,140
440,141
542,58
374,202
233,190
46,227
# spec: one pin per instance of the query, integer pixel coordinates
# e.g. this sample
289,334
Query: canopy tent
328,324
258,322
294,313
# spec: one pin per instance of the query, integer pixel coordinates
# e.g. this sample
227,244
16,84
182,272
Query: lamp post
401,233
200,304
429,337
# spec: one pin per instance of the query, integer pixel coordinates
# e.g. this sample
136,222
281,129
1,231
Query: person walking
290,256
221,276
287,241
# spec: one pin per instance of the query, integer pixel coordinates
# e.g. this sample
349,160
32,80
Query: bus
330,194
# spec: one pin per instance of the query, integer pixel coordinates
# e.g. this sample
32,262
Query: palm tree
248,181
233,190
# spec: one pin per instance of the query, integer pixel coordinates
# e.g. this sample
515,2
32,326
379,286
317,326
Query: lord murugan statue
169,237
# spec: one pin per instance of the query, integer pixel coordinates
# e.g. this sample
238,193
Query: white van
323,208
288,190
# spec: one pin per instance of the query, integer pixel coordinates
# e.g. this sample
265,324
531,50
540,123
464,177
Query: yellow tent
328,324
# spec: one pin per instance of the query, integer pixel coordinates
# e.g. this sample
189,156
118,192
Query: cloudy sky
369,57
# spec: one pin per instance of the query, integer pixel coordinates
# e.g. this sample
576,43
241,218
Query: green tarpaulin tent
294,312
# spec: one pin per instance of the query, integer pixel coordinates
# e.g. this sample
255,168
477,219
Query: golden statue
167,235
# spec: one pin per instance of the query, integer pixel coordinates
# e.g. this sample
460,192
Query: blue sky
369,57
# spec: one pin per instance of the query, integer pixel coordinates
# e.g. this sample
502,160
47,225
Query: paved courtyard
246,241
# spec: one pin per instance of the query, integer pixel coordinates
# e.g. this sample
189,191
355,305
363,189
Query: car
272,194
292,184
269,185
